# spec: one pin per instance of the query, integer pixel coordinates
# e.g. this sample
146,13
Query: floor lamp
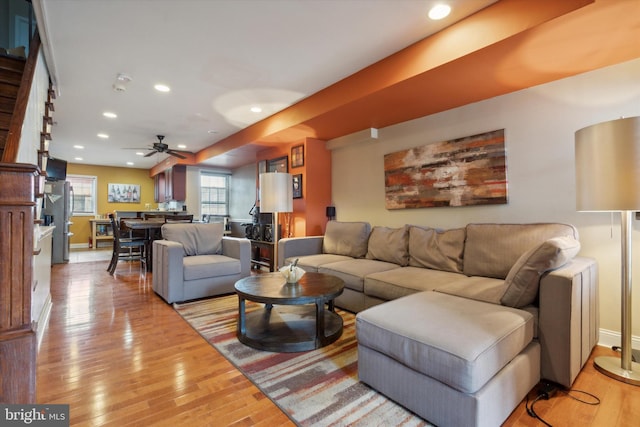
276,195
608,179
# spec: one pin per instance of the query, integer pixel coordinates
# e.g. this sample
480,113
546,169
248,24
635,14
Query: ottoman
451,360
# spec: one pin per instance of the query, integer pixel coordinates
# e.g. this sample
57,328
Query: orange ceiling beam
508,46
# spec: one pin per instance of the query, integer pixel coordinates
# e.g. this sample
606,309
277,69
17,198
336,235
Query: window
84,194
214,194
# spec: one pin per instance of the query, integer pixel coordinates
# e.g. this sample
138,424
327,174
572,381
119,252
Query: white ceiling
220,57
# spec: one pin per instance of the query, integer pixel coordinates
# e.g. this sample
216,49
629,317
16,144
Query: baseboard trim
609,339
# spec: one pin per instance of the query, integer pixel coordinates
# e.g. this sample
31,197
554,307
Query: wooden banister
12,145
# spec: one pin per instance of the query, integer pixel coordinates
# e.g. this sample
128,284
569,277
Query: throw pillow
523,279
346,238
436,249
389,244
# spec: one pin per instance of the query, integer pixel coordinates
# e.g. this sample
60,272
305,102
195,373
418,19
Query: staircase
11,70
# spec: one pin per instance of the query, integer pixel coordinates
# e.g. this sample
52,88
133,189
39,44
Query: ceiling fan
161,147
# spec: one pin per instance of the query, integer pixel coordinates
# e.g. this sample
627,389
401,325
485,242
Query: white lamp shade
608,166
276,192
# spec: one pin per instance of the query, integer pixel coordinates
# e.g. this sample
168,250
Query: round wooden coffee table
296,317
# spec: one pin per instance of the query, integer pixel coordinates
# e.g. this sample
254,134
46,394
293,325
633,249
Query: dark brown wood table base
296,317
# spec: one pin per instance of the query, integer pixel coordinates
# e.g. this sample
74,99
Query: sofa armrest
299,246
238,248
568,319
168,274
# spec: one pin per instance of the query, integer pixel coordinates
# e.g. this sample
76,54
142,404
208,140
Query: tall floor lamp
608,179
276,195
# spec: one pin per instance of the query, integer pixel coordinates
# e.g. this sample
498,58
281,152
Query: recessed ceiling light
79,147
162,88
109,115
79,159
439,11
211,131
103,136
139,153
130,163
256,109
182,146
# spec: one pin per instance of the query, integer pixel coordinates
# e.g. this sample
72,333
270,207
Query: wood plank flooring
121,356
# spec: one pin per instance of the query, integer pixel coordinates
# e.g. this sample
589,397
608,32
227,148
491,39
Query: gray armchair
196,260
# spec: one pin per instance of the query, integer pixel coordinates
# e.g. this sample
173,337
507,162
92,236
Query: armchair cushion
196,239
203,266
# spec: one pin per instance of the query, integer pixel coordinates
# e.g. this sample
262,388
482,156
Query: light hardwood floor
119,355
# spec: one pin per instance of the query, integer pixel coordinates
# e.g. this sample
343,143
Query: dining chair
178,218
125,248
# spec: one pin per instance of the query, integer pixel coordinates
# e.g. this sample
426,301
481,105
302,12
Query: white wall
32,125
243,192
539,128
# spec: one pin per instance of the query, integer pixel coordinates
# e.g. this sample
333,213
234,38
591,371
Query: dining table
151,229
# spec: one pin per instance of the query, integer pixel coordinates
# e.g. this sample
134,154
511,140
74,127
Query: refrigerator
56,210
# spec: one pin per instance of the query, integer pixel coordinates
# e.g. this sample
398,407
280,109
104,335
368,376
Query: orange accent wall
308,217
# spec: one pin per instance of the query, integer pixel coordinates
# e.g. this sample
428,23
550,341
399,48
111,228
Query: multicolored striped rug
315,388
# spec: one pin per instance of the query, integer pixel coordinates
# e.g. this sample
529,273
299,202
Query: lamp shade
276,192
608,166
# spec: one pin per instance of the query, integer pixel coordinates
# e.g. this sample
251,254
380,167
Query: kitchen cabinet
171,184
159,188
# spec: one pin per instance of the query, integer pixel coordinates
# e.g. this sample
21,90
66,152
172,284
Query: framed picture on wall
297,156
297,186
281,164
123,193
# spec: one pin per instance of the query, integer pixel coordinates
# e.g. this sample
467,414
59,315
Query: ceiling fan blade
150,153
175,154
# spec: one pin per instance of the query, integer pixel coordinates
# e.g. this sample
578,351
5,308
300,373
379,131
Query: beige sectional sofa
458,325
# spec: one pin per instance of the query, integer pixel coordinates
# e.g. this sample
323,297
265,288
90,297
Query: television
56,169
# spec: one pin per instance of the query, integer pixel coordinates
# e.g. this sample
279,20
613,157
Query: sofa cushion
460,342
196,239
354,271
524,278
312,262
399,282
389,244
346,238
206,266
477,288
491,249
437,249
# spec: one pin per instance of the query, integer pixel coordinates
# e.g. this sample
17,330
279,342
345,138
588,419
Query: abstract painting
461,172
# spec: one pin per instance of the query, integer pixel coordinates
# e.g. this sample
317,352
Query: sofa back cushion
197,239
523,279
346,238
436,249
492,249
389,244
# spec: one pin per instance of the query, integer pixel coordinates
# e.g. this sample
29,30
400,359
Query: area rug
318,388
